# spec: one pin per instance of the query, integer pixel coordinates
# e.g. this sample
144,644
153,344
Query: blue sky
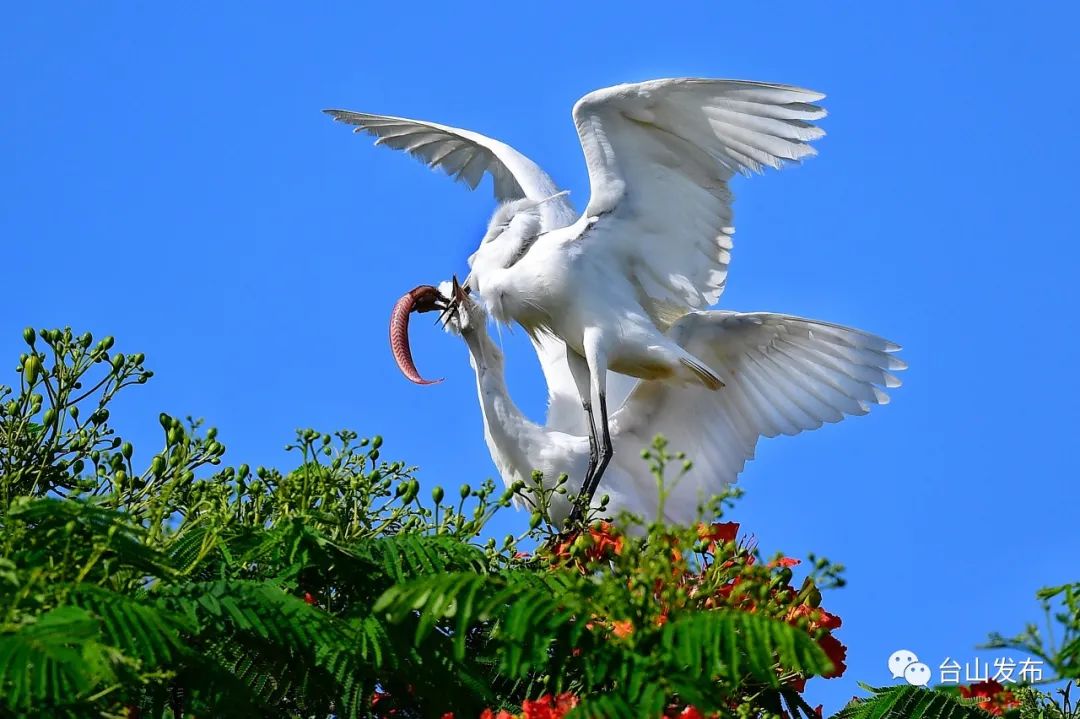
168,179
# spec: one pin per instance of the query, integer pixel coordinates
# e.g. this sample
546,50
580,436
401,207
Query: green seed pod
174,435
466,490
107,343
126,449
31,368
85,339
73,411
100,416
29,336
138,358
535,520
49,417
376,441
374,455
437,494
242,471
117,362
77,467
119,477
157,465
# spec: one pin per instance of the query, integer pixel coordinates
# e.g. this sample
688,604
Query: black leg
581,502
606,452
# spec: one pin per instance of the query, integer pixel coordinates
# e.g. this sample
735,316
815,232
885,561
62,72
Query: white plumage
610,290
783,375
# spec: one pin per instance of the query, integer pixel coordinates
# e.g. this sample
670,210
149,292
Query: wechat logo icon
903,664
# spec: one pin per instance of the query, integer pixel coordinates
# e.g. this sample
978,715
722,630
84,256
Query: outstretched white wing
466,156
660,154
782,375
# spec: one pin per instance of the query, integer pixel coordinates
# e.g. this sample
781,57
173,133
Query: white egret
782,375
653,243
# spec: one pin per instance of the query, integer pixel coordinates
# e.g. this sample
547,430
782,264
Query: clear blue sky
168,178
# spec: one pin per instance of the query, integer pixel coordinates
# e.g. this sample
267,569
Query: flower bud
49,417
126,449
31,368
29,336
376,441
466,490
107,343
437,494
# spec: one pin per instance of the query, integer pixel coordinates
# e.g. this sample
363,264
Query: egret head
466,316
460,312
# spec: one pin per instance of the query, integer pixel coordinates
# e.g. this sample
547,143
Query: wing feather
660,155
466,156
782,374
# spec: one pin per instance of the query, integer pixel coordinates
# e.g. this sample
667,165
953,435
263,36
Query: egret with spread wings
765,359
597,291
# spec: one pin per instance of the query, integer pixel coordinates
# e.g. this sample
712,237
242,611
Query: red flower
836,652
602,541
503,714
547,707
817,618
722,532
447,715
784,562
309,597
993,697
690,712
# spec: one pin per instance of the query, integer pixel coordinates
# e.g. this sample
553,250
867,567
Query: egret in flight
782,375
598,292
